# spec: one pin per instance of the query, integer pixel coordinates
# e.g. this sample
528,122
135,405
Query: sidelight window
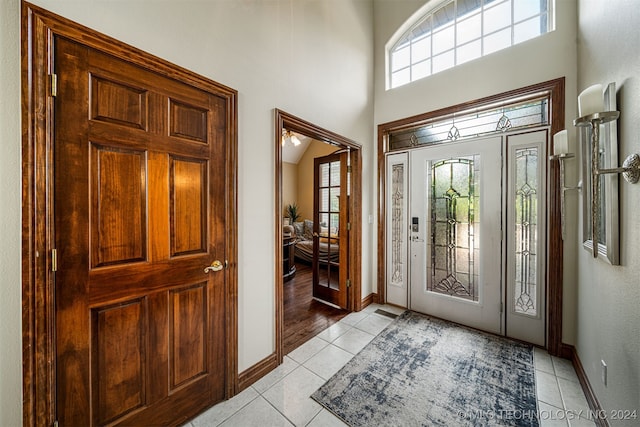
397,220
527,193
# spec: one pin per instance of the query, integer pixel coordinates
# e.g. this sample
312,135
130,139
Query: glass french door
455,232
330,228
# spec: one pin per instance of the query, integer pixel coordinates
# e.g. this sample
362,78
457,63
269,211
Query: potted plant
292,213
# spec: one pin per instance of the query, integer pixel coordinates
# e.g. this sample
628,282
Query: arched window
457,31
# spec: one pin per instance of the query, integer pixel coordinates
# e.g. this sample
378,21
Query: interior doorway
303,240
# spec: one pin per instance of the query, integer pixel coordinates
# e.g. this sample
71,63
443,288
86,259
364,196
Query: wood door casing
355,302
138,214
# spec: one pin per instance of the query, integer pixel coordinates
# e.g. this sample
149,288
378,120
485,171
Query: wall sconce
590,107
561,152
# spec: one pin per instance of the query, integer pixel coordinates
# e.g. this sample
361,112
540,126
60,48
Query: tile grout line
349,326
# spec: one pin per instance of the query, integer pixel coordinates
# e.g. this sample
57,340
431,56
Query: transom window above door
457,31
495,118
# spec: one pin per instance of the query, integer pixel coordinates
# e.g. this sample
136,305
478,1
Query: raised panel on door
188,121
118,206
188,202
120,352
139,330
118,103
187,334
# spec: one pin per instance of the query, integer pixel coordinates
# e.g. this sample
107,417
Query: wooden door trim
298,125
38,29
556,90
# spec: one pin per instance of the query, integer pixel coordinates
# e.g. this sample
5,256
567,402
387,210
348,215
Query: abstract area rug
422,371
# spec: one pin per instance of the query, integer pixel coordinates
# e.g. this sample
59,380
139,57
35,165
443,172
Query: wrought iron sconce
591,106
561,153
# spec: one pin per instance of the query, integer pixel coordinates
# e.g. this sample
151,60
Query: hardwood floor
304,317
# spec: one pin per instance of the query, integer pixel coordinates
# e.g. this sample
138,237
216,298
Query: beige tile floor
281,398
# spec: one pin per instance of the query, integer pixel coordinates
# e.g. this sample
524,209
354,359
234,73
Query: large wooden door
138,214
330,229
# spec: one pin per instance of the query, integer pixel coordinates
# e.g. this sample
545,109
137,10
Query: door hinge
349,169
54,260
348,283
54,84
348,226
501,307
55,424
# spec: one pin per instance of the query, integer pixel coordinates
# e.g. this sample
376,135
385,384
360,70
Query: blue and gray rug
422,371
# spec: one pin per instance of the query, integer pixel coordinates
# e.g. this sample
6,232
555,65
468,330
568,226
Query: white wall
10,225
545,58
312,59
609,296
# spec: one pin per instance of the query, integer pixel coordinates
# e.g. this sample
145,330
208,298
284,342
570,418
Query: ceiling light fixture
292,137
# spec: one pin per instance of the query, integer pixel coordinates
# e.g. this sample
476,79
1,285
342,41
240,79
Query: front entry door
455,232
330,229
138,214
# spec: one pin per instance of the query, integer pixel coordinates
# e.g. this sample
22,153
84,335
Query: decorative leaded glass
523,114
454,133
526,237
504,123
397,229
455,220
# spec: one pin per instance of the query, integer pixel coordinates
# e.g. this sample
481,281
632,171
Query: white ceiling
291,153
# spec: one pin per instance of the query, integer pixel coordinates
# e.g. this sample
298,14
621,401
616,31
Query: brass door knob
215,266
